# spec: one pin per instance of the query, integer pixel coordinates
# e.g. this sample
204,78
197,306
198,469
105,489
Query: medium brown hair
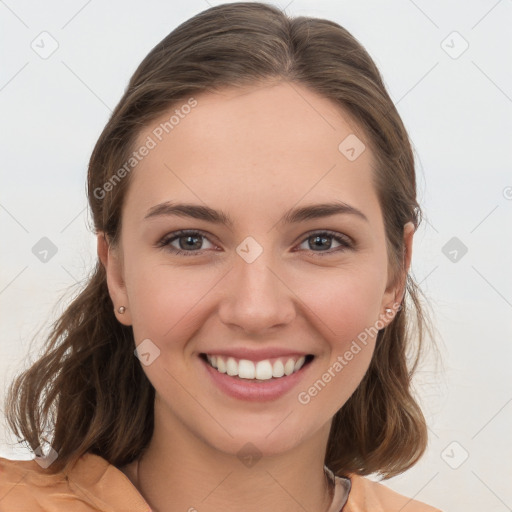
88,389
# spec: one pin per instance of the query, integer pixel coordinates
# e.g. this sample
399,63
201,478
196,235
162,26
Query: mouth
272,369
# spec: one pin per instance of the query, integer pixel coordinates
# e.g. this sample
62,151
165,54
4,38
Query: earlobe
112,262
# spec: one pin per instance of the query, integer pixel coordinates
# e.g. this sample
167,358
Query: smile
265,369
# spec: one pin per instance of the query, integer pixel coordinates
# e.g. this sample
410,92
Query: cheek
344,301
165,300
346,306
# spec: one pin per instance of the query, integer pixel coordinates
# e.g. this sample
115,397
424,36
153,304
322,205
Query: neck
180,472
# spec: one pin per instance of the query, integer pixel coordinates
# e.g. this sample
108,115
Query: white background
458,114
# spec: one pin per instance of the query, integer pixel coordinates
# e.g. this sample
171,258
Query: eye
189,242
323,239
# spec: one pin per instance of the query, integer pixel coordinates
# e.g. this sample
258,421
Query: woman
242,342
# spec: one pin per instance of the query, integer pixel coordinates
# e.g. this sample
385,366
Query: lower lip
265,390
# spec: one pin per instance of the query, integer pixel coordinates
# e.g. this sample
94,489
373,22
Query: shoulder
367,495
91,485
24,484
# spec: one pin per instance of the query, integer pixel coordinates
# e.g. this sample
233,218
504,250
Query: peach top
95,485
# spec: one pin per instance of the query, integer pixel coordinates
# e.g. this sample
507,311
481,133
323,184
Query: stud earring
388,311
121,310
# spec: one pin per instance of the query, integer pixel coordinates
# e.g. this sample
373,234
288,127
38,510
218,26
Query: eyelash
166,241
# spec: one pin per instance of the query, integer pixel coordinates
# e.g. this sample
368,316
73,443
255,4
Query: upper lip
255,354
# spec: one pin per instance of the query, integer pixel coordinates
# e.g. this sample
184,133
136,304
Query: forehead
276,143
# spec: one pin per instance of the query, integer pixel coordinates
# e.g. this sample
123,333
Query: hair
88,389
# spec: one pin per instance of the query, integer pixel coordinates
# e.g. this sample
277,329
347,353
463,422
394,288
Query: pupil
189,238
322,238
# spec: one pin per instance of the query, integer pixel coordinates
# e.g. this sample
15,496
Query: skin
254,153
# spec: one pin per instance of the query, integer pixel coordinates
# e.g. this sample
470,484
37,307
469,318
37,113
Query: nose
257,298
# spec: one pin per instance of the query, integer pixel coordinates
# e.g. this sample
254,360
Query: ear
111,258
395,291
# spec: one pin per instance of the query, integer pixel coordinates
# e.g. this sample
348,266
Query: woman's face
258,282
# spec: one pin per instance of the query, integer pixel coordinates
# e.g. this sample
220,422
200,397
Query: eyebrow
292,216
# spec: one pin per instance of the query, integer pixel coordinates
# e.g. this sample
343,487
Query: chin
263,437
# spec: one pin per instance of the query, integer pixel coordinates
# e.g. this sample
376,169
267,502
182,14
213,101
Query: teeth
231,366
246,369
278,369
262,370
221,365
289,367
299,364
